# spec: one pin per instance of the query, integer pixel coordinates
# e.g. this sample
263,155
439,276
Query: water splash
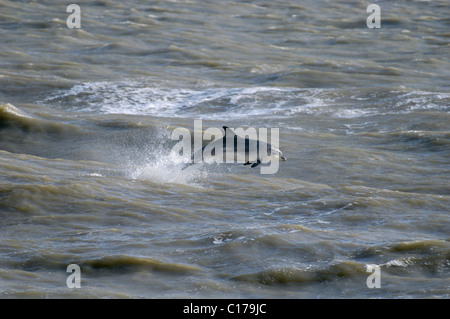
168,169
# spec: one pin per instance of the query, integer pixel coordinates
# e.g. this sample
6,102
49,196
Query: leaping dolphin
237,149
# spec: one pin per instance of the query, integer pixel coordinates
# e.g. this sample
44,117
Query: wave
216,103
409,259
125,263
106,264
284,275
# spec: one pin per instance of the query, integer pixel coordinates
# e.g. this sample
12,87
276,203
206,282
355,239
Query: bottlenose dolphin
234,148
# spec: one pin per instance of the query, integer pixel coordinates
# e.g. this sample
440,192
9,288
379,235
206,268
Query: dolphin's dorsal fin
227,129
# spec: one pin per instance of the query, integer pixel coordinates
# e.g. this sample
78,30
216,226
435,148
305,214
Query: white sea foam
140,98
401,262
423,100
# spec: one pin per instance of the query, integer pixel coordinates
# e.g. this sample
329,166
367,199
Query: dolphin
237,149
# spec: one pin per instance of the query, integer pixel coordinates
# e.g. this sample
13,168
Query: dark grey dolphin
237,149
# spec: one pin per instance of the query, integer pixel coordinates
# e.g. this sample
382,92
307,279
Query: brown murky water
87,176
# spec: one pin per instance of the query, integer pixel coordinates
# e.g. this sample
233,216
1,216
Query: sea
94,202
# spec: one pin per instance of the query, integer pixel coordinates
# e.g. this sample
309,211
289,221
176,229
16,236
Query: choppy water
86,177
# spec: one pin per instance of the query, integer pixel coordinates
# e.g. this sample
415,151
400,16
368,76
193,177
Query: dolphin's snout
283,158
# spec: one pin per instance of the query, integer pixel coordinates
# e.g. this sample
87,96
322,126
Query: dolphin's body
246,150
